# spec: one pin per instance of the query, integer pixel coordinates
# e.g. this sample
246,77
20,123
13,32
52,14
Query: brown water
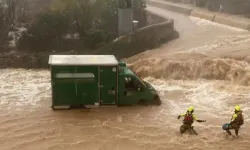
208,70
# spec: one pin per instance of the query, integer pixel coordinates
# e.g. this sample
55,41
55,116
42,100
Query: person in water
188,120
237,121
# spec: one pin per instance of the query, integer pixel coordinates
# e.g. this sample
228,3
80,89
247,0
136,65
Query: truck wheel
60,107
142,102
53,108
156,100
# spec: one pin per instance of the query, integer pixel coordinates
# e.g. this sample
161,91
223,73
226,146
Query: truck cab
133,90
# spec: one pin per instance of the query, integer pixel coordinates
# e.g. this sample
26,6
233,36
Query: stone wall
154,19
158,31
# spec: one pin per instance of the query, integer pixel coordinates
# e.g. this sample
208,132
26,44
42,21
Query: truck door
108,85
87,85
132,91
63,87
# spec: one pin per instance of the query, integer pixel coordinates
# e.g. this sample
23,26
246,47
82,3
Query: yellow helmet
237,108
191,108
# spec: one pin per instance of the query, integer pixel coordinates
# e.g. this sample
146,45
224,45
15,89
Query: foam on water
23,88
204,22
224,41
206,96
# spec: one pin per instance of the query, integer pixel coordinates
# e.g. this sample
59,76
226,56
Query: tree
7,18
94,21
46,32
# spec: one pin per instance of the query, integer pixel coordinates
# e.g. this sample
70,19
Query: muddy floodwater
208,68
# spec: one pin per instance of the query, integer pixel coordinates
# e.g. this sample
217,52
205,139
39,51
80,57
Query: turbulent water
208,68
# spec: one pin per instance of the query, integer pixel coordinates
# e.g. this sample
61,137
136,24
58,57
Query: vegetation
94,22
13,14
60,24
7,17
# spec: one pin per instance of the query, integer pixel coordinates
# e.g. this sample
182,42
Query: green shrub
96,23
45,33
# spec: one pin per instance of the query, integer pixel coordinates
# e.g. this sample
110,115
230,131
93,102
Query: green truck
92,81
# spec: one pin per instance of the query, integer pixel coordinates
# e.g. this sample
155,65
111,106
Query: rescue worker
188,120
236,121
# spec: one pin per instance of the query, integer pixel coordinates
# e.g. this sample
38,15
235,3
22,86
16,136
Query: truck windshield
141,81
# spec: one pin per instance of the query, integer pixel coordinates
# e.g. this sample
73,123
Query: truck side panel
63,90
87,88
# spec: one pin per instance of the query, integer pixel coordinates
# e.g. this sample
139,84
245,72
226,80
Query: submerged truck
93,81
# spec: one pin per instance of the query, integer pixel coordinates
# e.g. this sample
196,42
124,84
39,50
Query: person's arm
181,115
195,118
233,118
